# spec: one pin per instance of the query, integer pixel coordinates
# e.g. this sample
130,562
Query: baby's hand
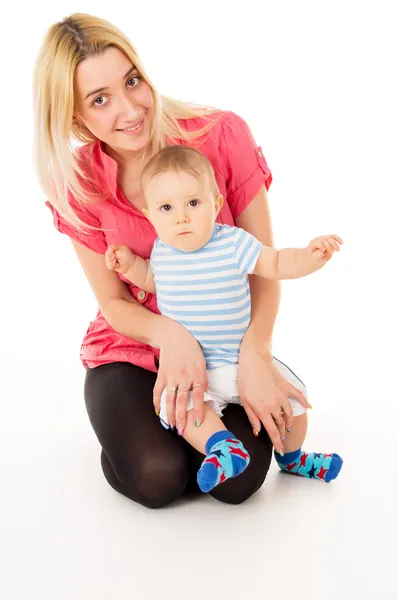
322,248
119,258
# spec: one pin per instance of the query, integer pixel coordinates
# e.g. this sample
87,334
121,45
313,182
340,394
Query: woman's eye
135,79
102,98
132,83
166,207
193,202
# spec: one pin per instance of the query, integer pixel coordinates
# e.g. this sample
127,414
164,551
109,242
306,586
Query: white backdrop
316,82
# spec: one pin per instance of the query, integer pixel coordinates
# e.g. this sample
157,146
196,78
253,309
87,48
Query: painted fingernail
197,422
255,431
283,438
309,406
282,452
289,430
157,413
180,430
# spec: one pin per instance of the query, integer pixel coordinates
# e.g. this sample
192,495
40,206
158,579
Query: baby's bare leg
198,436
295,439
225,455
314,465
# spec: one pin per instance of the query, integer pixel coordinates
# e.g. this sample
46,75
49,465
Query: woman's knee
241,488
159,481
153,481
235,492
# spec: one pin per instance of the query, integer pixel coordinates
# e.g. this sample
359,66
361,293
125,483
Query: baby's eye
193,202
165,207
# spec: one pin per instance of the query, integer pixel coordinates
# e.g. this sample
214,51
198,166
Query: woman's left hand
263,391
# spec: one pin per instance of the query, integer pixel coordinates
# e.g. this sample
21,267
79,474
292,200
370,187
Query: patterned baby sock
226,457
313,465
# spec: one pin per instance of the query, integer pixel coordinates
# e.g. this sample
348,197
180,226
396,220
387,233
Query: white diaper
223,390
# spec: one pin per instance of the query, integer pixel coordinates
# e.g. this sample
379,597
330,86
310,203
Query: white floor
66,534
327,123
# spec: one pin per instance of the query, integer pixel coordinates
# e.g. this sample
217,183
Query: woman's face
113,101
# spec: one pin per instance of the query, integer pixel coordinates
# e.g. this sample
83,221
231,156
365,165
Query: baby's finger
112,249
328,245
337,238
319,243
333,242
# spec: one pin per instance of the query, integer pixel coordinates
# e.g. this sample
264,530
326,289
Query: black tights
152,465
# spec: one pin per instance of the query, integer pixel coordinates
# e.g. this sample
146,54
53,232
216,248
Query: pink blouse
241,170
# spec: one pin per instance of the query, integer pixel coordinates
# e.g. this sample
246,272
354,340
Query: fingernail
197,422
309,406
172,427
255,431
180,430
157,413
283,438
282,452
289,430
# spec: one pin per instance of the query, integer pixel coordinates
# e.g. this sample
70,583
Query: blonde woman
91,87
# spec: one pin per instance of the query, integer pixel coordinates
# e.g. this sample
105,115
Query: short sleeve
153,257
94,239
243,163
248,250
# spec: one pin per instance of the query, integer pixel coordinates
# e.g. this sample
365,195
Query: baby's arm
291,263
133,267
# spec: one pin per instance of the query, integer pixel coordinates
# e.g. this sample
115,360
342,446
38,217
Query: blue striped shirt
208,291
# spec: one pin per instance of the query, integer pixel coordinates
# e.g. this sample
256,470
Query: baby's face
182,209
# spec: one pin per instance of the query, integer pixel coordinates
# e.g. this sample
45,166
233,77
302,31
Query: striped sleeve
152,257
248,250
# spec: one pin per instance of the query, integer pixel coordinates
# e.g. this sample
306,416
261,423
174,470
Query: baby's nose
182,218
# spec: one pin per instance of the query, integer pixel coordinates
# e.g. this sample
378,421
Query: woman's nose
129,109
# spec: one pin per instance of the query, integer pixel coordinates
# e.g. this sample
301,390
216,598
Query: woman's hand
182,368
264,392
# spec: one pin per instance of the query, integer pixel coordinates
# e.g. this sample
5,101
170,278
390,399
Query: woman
90,85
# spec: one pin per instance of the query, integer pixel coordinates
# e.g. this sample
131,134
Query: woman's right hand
182,368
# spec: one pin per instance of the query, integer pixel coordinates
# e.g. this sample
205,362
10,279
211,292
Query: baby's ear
219,202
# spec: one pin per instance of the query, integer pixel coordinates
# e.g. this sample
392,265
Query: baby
199,270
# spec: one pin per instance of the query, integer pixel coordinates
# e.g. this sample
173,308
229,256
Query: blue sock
314,465
226,457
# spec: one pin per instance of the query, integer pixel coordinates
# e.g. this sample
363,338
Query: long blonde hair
65,45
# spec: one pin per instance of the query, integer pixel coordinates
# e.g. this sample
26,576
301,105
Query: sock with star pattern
310,464
225,457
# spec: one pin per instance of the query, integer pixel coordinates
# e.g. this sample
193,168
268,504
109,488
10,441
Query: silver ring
171,389
182,390
197,385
